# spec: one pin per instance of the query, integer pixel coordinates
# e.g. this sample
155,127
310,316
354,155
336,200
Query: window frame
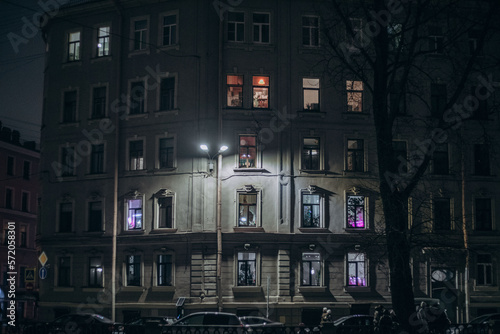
71,221
89,215
487,275
127,210
105,39
139,266
157,269
351,92
310,89
249,190
320,148
256,262
237,26
143,42
74,46
158,152
320,280
229,88
365,206
260,26
98,166
160,92
143,105
365,269
66,118
310,31
255,93
162,194
129,157
161,27
93,101
66,282
256,160
490,211
320,205
356,152
95,282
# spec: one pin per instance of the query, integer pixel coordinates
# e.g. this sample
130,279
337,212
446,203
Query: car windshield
340,320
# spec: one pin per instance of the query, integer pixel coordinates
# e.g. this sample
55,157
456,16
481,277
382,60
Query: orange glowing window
260,92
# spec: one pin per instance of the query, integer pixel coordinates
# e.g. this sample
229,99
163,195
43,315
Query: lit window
310,30
134,214
248,151
133,270
483,220
311,269
481,159
69,108
140,34
261,28
247,212
356,212
95,272
95,216
137,97
64,271
170,30
165,212
260,92
98,102
440,160
356,269
74,46
166,153
97,159
310,88
136,155
235,27
167,93
484,270
247,271
354,96
235,91
103,41
442,217
65,217
311,210
164,270
355,155
310,153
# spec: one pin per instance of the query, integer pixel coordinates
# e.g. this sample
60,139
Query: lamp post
218,217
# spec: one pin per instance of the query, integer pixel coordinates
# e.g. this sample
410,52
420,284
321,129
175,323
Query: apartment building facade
138,219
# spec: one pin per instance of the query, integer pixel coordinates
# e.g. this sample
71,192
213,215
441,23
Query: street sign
43,258
29,275
42,273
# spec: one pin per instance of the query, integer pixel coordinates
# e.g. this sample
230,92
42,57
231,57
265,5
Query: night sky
21,70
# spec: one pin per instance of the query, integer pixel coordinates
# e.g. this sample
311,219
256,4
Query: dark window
438,99
235,27
74,46
400,154
95,216
23,236
137,97
167,94
67,161
479,103
164,270
484,270
64,271
436,40
25,201
8,198
10,165
97,159
481,159
310,30
170,30
311,269
136,158
140,34
356,269
65,217
235,91
310,154
26,170
355,155
483,214
260,92
98,102
247,209
247,271
95,271
311,214
248,151
356,212
165,212
103,41
166,154
69,111
440,160
310,90
261,28
134,270
442,219
134,218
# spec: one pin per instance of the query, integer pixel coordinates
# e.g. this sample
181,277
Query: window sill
313,171
314,230
96,175
354,173
355,289
94,232
169,288
69,124
168,170
132,288
248,229
133,53
133,116
356,229
92,289
160,230
100,59
485,288
136,172
64,289
167,47
316,49
174,112
249,170
72,63
247,290
312,289
355,114
313,113
133,232
104,122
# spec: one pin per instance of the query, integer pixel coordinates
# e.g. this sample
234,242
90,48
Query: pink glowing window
356,269
356,212
134,219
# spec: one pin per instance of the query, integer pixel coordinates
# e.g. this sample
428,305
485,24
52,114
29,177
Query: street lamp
218,217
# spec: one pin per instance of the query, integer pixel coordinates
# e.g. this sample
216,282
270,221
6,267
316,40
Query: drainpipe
466,241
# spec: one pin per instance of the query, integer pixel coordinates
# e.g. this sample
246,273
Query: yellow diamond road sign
43,258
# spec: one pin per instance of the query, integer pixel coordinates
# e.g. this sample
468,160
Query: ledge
250,170
174,112
314,230
132,232
357,289
248,229
312,289
247,289
313,113
64,289
170,288
89,289
163,230
100,59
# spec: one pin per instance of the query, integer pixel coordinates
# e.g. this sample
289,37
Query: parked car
479,325
147,325
84,323
204,319
253,322
361,323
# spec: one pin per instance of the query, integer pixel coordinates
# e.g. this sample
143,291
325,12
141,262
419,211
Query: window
483,214
355,155
481,159
311,269
354,96
247,271
169,30
438,99
310,31
137,97
69,108
74,46
355,37
10,165
479,104
68,161
310,153
260,92
247,209
164,270
25,201
140,34
310,89
95,271
235,27
235,91
95,216
134,214
65,217
474,36
22,284
98,102
442,214
136,155
440,160
248,151
400,154
23,236
165,212
64,271
484,270
436,40
397,100
167,93
103,41
97,159
356,216
26,170
166,153
133,270
9,197
311,210
261,28
356,269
